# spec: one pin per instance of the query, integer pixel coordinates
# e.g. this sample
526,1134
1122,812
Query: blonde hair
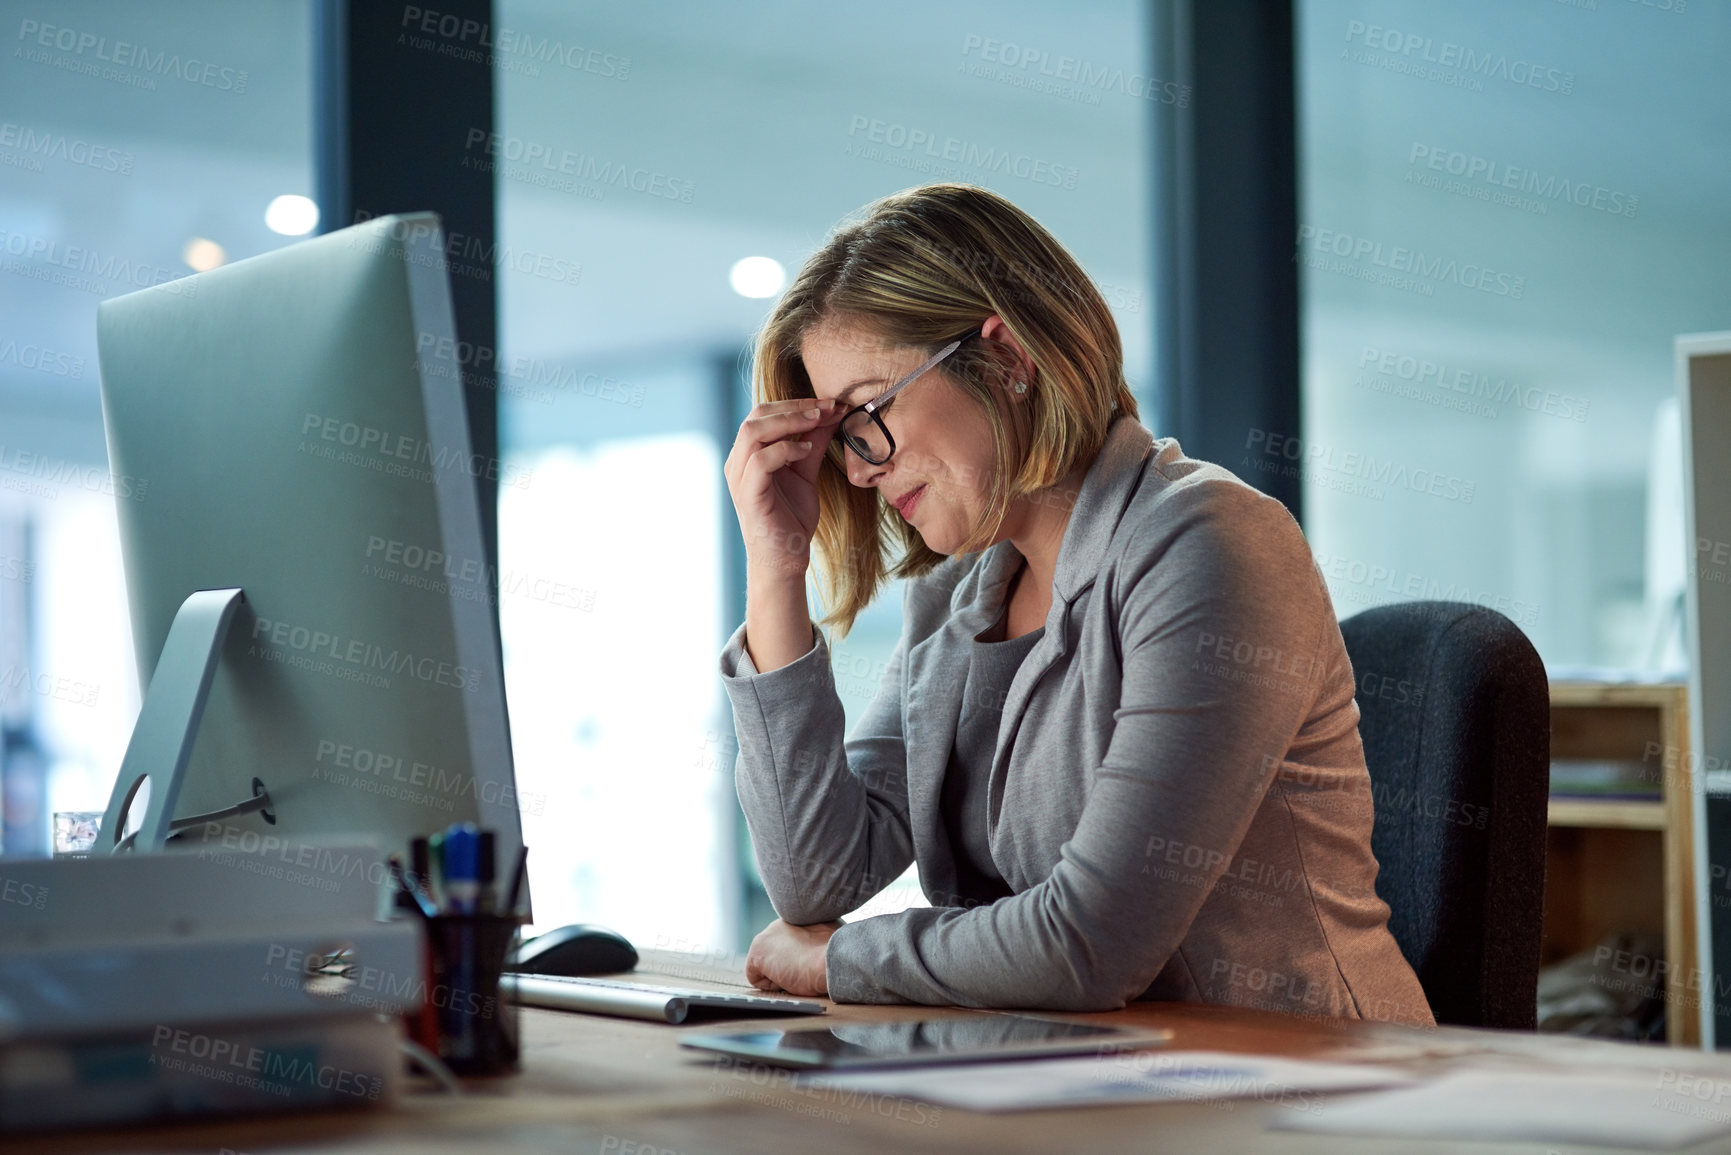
919,269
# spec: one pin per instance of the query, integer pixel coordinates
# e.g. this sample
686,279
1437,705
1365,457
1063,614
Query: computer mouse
574,950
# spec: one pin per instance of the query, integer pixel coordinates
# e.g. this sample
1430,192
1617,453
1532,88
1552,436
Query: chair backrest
1455,715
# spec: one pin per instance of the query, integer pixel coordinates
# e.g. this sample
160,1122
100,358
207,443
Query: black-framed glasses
863,430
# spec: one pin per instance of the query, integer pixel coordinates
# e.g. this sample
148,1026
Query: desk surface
599,1085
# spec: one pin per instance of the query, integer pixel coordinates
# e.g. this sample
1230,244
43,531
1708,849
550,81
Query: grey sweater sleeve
828,817
1190,759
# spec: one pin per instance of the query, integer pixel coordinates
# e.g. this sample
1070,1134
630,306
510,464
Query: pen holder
477,1029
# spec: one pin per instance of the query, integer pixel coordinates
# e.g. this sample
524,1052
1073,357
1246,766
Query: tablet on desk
918,1042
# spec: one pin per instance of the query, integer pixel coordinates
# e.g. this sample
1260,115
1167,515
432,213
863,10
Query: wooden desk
592,1085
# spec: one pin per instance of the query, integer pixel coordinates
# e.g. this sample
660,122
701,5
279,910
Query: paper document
1130,1077
1648,1112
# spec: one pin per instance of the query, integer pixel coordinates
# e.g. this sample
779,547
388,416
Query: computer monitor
1703,366
292,427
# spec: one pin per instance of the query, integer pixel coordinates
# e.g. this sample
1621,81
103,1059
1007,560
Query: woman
1118,733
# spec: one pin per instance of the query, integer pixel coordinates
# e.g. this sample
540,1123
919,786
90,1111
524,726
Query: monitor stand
167,727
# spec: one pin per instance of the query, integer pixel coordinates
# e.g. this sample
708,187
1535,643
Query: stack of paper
1654,1111
1130,1077
1657,1109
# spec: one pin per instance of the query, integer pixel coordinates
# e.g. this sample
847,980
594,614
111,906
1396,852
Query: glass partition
137,145
1507,213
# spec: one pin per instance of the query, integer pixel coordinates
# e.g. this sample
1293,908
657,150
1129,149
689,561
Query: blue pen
460,1030
462,867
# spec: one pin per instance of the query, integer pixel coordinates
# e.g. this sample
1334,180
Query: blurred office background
1507,384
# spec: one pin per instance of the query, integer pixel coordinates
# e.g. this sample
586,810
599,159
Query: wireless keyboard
639,1000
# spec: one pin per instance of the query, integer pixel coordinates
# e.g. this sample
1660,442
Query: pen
421,863
422,1023
436,876
487,870
462,868
407,897
519,874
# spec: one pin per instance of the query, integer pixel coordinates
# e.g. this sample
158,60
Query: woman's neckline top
967,779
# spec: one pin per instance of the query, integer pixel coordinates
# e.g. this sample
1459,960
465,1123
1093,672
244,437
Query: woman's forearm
828,813
777,623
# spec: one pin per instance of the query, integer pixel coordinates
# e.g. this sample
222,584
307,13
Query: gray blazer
1178,798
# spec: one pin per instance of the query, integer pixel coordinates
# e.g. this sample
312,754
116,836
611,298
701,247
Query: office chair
1455,715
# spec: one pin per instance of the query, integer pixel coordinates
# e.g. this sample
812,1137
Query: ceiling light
757,277
292,216
202,254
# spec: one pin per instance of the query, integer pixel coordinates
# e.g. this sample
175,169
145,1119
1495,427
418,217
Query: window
654,146
1507,212
136,145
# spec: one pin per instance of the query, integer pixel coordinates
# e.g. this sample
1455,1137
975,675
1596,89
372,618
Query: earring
1021,386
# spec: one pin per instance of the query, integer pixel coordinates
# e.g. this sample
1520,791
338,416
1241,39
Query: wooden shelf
1657,695
1616,865
1621,813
